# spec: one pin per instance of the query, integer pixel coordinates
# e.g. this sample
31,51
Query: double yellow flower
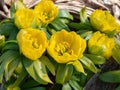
32,43
66,46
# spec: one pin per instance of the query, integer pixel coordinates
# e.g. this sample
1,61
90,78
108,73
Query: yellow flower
104,21
66,46
46,12
101,44
25,18
32,43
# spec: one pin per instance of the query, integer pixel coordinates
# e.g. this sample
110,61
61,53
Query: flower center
35,43
62,48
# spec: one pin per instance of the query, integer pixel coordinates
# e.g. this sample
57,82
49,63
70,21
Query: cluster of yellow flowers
63,46
43,13
100,43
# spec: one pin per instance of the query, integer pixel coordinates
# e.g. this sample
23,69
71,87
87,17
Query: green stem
11,41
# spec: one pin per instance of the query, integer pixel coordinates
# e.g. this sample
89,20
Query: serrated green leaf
88,64
64,14
40,70
6,58
29,66
66,86
83,15
75,85
96,59
111,76
57,25
64,73
48,64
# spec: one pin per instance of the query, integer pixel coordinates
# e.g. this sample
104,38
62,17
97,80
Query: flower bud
100,44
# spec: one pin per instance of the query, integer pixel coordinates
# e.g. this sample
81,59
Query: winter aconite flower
104,21
101,44
25,18
46,11
32,43
66,46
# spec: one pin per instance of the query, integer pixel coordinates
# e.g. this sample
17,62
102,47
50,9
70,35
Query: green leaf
18,81
78,66
88,64
96,59
29,66
19,5
10,46
13,34
5,59
45,31
40,70
57,25
83,15
64,73
64,14
12,9
29,83
9,69
36,88
75,85
81,27
64,20
116,54
86,35
66,86
48,64
111,76
7,28
19,67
